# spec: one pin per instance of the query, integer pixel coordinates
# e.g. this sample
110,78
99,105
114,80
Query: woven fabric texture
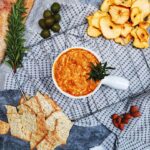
131,63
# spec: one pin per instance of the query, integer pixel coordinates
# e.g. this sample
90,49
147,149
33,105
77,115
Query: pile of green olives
50,20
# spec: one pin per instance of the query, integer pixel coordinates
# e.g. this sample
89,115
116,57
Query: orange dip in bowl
71,72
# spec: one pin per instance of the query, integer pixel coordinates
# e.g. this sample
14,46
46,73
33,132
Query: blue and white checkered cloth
131,63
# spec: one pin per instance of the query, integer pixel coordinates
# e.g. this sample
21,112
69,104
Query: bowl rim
65,93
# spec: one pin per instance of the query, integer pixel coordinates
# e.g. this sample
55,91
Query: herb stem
15,36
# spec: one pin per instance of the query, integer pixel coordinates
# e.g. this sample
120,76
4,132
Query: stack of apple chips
122,21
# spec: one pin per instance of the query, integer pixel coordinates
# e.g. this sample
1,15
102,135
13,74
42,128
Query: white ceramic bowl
55,82
112,81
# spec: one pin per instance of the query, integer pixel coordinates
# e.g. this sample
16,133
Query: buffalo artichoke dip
71,72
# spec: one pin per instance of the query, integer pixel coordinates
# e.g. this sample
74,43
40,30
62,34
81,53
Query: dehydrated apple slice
126,3
109,29
123,40
96,18
132,1
105,5
148,19
138,44
142,34
93,32
136,16
133,33
126,29
95,22
119,14
144,24
100,14
144,6
89,19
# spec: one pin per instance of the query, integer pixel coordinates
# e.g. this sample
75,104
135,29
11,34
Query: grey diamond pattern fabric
131,63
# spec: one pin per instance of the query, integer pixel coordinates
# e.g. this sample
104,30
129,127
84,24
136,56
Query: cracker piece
46,107
41,131
52,102
50,142
11,109
34,105
24,108
16,127
28,121
61,124
4,127
63,128
21,101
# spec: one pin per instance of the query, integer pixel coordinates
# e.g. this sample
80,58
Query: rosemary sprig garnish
99,71
15,36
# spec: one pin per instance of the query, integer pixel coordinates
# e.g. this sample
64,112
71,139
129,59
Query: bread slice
4,127
41,131
46,106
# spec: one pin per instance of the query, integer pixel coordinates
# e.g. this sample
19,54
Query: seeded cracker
45,105
40,133
50,142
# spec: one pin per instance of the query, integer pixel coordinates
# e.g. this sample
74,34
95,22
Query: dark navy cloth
80,138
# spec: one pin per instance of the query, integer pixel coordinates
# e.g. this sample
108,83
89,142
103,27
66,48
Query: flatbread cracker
33,105
21,101
61,124
4,127
11,109
50,142
22,124
52,102
63,129
41,131
46,107
28,121
23,108
16,127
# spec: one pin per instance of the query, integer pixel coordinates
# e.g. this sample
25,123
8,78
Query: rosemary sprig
15,36
99,71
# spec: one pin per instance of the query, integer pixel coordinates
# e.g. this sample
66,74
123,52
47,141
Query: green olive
47,13
42,23
55,8
57,17
49,22
45,34
56,27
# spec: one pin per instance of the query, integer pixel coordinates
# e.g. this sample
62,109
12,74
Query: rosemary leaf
15,36
99,71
